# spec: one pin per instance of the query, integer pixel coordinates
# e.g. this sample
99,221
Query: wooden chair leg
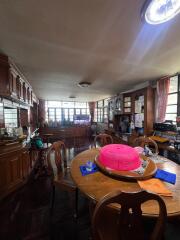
76,204
52,199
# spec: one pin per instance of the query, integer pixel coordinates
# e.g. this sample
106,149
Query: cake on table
119,157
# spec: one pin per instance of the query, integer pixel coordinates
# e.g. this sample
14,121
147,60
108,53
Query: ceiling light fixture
84,84
72,96
160,11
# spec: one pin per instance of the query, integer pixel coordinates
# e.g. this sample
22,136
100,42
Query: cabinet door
28,95
3,175
127,104
12,83
24,92
14,174
25,164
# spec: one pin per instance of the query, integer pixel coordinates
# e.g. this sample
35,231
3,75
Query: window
10,118
95,113
59,111
101,111
172,103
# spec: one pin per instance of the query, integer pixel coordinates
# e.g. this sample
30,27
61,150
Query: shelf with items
143,113
111,113
127,104
138,113
118,104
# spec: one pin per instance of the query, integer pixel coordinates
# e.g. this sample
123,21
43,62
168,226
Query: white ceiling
58,43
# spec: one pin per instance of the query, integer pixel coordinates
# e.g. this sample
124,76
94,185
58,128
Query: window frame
82,111
178,99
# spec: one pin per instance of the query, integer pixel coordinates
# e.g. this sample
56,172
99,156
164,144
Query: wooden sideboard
59,133
14,166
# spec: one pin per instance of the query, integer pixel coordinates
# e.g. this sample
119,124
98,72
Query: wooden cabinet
13,84
111,113
143,105
137,111
118,105
127,103
14,167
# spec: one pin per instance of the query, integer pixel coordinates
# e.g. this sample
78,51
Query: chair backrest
129,222
142,141
59,150
103,139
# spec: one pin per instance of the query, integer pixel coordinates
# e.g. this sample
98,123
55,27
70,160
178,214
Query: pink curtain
91,110
162,97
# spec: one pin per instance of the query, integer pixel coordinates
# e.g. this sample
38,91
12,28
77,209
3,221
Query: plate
149,171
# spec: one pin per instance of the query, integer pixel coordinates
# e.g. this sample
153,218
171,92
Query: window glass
61,110
78,111
51,110
54,103
10,117
171,117
83,111
80,105
171,109
71,111
95,115
66,114
173,84
172,99
100,103
127,99
58,114
106,102
68,104
51,118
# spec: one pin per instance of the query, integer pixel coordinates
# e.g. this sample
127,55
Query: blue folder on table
166,176
85,172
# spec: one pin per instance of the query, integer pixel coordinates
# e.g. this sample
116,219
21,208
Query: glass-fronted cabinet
118,105
127,104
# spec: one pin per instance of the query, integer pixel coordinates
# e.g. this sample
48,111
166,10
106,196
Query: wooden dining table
97,185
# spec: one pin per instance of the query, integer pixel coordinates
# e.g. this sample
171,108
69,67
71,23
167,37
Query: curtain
162,98
91,110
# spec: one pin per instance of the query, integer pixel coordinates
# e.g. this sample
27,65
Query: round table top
97,185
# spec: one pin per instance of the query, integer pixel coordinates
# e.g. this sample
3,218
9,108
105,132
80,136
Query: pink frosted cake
119,157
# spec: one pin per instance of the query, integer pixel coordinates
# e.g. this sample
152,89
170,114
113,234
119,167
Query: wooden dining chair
103,139
61,172
146,141
127,222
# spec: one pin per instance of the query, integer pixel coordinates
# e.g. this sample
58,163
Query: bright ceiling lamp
160,11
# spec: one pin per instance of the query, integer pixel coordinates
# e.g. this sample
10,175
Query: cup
89,166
